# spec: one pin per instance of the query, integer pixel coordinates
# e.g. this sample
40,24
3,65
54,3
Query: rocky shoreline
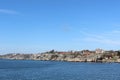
98,55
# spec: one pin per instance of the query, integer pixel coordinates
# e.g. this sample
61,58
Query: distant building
86,52
99,51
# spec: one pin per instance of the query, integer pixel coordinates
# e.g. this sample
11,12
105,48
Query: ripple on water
51,70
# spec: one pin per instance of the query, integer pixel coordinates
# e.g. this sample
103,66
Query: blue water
51,70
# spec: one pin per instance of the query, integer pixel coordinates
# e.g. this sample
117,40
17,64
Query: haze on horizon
28,26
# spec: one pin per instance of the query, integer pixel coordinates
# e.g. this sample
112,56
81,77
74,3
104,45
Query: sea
56,70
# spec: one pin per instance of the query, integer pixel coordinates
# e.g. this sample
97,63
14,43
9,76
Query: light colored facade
99,51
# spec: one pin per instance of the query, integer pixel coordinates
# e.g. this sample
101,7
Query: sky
33,26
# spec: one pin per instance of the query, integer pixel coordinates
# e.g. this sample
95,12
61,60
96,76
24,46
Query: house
99,51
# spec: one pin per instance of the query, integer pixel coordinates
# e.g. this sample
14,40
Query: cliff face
68,57
83,56
17,56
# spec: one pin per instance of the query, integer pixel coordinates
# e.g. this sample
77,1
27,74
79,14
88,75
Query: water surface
51,70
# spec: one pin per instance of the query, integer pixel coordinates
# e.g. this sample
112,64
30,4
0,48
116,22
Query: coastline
80,56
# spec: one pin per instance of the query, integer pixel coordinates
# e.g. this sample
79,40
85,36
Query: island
97,55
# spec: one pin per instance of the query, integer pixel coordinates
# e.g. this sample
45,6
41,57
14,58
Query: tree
52,51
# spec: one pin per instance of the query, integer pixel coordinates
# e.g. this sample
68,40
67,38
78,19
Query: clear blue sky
40,25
